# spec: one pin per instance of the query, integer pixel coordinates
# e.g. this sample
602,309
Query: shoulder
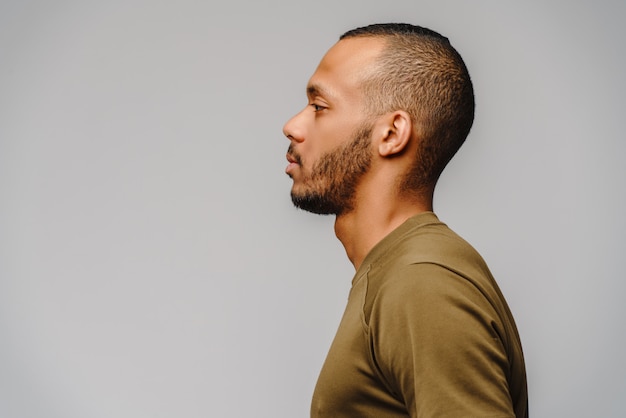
431,269
434,243
428,258
429,290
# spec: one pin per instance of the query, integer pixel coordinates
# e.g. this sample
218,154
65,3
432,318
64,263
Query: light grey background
151,264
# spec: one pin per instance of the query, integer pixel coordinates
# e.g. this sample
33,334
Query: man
426,331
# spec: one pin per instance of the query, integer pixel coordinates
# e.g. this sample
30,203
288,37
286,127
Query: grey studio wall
151,263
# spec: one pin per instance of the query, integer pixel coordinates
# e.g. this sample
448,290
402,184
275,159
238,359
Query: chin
318,204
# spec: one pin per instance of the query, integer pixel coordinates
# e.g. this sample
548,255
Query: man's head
371,72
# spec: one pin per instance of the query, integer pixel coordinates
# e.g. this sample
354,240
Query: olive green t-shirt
426,333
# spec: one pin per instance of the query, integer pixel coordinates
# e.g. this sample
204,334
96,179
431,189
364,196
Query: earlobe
398,129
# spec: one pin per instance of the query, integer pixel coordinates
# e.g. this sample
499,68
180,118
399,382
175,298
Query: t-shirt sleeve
436,342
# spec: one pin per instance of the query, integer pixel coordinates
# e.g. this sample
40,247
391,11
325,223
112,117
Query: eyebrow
317,90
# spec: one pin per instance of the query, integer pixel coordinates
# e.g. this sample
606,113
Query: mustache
291,152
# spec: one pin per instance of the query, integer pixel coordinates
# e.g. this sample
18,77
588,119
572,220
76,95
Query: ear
395,130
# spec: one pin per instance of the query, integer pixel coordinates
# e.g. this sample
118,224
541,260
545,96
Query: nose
293,129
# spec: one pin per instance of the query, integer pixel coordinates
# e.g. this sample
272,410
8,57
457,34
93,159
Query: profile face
330,138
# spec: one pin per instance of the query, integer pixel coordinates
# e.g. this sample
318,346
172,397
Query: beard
330,187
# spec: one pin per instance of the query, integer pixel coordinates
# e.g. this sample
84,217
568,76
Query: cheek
328,138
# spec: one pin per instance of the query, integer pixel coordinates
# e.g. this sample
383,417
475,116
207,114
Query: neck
362,228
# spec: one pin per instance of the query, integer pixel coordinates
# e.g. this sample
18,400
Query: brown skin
336,109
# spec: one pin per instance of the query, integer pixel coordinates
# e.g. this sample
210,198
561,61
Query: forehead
346,64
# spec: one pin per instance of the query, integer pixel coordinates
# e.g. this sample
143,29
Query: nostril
287,133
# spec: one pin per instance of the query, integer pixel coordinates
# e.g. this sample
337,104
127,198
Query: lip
293,163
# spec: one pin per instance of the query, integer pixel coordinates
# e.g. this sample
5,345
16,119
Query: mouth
294,161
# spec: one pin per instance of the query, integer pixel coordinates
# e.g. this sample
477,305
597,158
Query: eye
316,107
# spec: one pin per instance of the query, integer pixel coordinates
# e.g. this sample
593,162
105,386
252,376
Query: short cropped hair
421,73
